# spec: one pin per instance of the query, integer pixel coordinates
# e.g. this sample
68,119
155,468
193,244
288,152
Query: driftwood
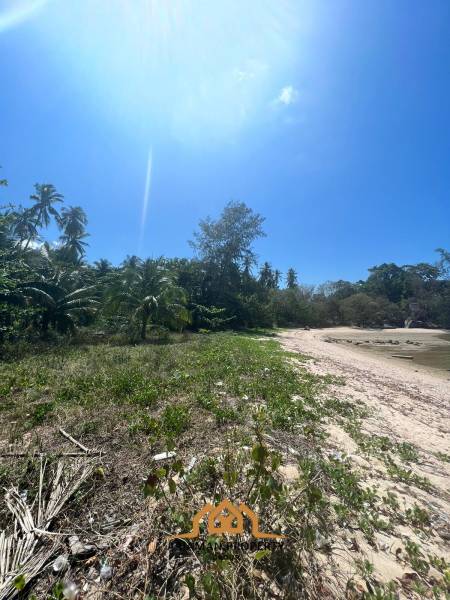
403,356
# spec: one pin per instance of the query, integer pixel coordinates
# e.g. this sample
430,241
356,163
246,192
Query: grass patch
226,374
443,456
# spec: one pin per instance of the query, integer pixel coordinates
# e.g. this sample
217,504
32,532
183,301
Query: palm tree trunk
45,321
144,327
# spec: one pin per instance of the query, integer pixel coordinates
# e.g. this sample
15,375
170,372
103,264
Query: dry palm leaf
24,548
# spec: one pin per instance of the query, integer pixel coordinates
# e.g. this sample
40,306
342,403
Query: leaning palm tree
147,292
24,227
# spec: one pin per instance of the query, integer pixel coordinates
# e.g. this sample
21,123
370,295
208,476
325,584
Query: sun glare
200,70
13,12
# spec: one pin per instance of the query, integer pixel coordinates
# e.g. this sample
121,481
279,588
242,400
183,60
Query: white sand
407,404
413,405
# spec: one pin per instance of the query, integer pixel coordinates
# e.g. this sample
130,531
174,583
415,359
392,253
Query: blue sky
332,119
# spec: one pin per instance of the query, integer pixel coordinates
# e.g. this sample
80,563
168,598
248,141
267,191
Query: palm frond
40,295
81,292
24,549
80,303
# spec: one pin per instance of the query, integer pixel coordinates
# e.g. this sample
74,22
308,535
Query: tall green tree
267,277
291,278
228,240
72,221
225,247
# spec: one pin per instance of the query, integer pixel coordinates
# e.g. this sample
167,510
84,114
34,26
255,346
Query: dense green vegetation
47,289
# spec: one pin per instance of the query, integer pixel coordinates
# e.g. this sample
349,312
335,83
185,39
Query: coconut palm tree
27,221
44,199
61,303
147,292
24,227
73,248
72,221
102,267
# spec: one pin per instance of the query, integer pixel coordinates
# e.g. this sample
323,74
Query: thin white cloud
251,70
287,96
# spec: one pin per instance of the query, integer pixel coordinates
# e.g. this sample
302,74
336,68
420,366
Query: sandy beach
411,401
407,403
428,349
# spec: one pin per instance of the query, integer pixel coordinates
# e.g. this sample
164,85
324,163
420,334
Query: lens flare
14,12
145,201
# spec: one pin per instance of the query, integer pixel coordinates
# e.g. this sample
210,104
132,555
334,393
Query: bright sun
196,68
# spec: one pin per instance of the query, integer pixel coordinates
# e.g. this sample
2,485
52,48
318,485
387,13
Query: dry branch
56,454
73,440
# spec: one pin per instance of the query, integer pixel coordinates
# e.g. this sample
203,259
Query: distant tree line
51,289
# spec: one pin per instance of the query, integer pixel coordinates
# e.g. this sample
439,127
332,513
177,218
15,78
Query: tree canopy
47,287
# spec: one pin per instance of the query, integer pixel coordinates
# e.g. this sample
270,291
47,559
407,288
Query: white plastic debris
321,541
61,563
219,383
245,397
106,572
78,549
191,464
337,455
70,591
164,455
